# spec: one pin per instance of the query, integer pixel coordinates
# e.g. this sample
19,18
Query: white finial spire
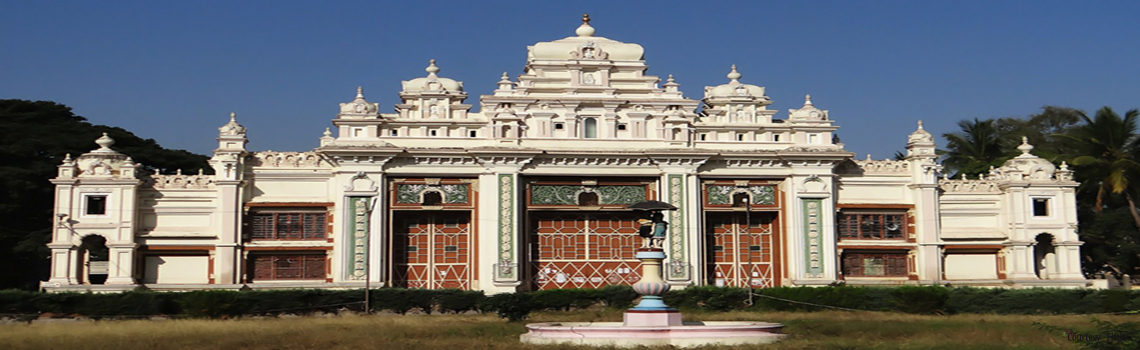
734,75
585,29
432,69
233,118
1025,146
505,77
670,79
104,142
920,124
327,133
359,91
807,100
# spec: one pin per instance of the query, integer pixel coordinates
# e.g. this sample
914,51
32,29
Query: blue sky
173,71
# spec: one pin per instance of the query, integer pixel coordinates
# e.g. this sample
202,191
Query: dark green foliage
393,299
34,138
516,306
512,306
618,297
709,298
564,299
845,297
974,149
214,304
458,301
919,300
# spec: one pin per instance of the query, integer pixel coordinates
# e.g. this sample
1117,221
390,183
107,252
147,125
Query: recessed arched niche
432,198
741,200
588,199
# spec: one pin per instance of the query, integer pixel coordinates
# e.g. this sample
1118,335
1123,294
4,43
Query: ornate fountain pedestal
651,311
651,322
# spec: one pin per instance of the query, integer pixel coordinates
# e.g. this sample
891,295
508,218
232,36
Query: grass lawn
817,330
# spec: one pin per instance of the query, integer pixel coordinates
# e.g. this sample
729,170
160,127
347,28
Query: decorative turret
807,113
103,162
1026,166
920,144
327,138
671,85
432,97
359,108
231,136
736,102
228,158
433,82
505,83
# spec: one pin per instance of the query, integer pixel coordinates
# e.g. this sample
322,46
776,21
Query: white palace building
531,193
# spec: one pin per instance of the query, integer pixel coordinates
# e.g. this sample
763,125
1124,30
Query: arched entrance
93,257
1044,257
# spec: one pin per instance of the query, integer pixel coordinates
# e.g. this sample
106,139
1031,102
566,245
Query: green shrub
564,299
617,297
511,306
709,298
859,298
458,301
214,304
920,299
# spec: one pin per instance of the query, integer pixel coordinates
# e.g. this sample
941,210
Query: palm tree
1107,147
973,150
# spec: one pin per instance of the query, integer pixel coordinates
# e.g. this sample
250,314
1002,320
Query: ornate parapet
271,159
179,181
884,166
983,186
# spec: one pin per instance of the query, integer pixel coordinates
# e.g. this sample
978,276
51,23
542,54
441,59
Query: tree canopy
35,136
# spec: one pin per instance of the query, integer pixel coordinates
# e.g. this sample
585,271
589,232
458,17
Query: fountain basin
689,334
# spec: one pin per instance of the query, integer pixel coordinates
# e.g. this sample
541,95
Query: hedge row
516,306
225,303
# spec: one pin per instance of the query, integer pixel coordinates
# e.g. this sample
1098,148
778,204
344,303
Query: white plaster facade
529,192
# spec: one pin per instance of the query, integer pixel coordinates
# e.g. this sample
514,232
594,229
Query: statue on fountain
660,228
653,230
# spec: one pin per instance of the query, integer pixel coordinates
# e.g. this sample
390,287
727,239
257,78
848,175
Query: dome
920,136
432,82
232,128
734,88
808,112
1031,166
586,46
359,105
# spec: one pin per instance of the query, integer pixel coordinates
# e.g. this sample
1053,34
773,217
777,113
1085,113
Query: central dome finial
734,75
432,69
585,29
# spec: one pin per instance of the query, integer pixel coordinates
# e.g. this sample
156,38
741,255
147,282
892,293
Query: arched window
590,128
433,198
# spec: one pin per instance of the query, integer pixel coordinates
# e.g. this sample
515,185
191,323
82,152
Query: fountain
651,322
